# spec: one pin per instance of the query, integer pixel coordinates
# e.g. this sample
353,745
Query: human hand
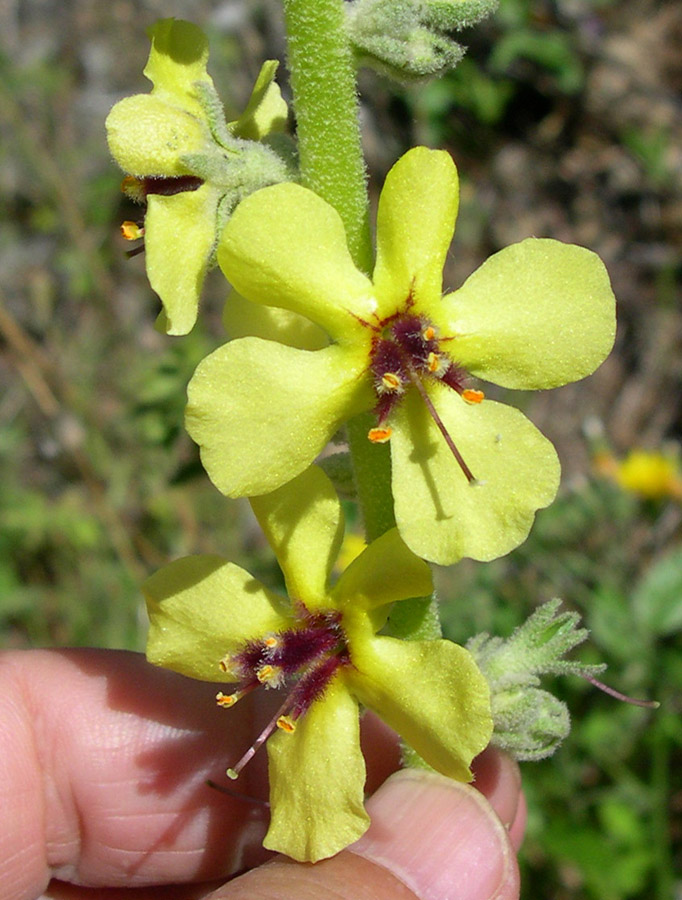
104,761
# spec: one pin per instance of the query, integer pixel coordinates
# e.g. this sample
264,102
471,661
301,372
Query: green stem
326,107
332,165
330,152
372,471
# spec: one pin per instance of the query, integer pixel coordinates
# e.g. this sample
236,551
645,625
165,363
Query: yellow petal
440,515
415,224
317,777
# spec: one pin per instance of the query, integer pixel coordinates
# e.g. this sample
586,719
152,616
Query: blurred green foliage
486,84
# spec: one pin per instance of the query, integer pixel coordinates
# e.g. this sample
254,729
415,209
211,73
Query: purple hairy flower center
304,659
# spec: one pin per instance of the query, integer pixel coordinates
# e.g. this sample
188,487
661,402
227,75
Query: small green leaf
657,599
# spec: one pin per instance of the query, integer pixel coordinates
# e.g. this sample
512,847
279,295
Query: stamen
391,382
612,692
272,641
470,396
437,364
443,430
131,231
287,724
229,700
429,333
227,665
134,188
379,435
270,676
233,772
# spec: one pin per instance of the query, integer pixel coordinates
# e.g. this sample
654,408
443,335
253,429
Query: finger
103,768
497,777
518,826
430,838
60,890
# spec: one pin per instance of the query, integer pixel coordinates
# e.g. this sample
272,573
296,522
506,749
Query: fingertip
431,832
517,829
431,838
497,777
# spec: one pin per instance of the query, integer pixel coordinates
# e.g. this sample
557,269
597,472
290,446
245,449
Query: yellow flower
650,474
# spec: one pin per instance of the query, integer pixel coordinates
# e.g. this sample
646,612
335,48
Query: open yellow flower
211,620
468,473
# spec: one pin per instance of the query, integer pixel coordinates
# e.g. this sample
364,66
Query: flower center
406,350
304,658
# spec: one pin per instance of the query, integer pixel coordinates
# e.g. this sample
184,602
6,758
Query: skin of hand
104,762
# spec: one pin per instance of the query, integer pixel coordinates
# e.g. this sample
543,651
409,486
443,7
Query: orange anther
434,362
287,724
473,396
379,435
131,231
132,187
269,675
227,700
391,381
429,333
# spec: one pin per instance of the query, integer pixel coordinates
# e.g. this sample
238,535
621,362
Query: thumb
430,838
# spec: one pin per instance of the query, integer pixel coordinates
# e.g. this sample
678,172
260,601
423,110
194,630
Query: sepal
530,723
408,39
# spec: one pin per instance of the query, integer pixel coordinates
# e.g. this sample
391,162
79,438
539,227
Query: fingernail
440,838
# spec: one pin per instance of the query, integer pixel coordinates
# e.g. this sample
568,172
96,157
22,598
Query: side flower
188,165
211,620
468,474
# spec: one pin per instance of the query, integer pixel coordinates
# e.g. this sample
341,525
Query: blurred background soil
565,120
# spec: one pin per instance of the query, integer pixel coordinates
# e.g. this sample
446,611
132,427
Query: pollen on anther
227,700
286,724
429,333
270,676
391,382
227,665
434,362
134,188
470,396
272,641
379,435
131,231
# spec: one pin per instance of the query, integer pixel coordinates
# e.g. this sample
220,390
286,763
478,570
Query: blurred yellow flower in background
651,474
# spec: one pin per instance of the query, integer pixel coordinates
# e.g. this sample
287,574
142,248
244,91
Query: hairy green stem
372,471
332,164
326,107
